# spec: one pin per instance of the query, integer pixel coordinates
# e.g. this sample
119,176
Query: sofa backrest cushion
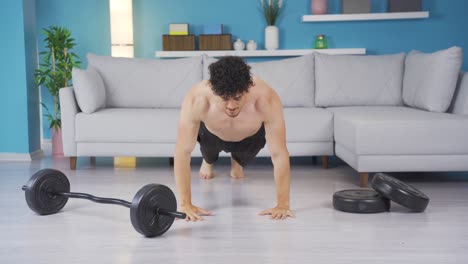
460,98
430,79
146,83
89,90
355,80
293,79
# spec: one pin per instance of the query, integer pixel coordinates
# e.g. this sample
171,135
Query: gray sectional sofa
387,113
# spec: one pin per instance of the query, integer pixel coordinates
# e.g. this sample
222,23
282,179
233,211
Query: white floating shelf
256,53
370,16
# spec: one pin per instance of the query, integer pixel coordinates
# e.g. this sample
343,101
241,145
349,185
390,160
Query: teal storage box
216,29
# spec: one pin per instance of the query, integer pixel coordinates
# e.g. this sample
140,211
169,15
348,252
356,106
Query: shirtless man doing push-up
237,113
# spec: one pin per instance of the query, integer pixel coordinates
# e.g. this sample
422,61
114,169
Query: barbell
152,210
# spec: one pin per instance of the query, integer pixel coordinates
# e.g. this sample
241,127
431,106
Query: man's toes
206,176
237,174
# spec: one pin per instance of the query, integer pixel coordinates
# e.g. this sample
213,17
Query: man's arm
189,123
186,140
275,134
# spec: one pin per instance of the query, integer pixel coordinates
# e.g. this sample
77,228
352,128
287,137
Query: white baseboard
37,154
15,157
46,147
22,156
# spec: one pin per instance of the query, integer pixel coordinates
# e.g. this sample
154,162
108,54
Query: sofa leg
92,161
73,163
314,160
363,179
171,161
325,162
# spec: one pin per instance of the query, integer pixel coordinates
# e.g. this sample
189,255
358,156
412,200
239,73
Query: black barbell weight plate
39,191
143,210
360,201
400,192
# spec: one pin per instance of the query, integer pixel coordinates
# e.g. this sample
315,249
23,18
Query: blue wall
445,28
89,22
19,107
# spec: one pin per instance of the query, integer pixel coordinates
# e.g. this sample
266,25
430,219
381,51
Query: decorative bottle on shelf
319,7
251,45
239,44
321,42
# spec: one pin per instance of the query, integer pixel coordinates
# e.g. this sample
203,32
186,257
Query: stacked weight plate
386,189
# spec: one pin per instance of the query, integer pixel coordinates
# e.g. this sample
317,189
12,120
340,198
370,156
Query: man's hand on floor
278,213
193,212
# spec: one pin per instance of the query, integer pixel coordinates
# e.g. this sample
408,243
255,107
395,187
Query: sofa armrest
68,110
460,97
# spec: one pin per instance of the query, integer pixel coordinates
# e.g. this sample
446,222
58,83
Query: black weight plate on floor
38,191
360,201
143,210
400,192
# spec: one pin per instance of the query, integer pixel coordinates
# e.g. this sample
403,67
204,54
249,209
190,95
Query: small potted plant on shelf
271,10
54,73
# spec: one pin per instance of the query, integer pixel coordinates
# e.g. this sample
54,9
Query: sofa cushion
354,80
144,83
430,79
304,124
399,131
136,125
293,79
89,89
128,125
460,98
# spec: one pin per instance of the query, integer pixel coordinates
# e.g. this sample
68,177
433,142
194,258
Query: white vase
271,38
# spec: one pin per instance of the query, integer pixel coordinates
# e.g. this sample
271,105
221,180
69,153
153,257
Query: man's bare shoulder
267,98
197,98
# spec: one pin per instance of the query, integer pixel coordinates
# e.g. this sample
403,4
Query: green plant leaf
271,10
55,67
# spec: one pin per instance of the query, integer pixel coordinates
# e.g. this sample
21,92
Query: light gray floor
86,232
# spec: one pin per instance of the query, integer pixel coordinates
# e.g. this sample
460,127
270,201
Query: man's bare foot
237,172
206,171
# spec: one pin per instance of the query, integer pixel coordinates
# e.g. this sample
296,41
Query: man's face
232,106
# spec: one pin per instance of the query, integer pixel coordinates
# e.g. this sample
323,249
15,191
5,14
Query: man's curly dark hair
230,76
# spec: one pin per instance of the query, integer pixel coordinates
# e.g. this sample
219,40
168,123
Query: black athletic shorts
241,151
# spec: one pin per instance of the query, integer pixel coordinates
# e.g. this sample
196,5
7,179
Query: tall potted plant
271,10
54,73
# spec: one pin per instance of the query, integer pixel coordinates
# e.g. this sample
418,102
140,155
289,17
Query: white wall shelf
255,53
360,17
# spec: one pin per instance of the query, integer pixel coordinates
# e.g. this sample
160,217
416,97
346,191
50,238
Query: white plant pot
271,38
